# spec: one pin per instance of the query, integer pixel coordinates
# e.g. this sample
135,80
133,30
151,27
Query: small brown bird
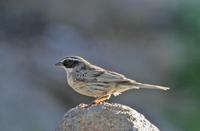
90,80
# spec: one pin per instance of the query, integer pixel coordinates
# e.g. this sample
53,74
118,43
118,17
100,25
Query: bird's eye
70,63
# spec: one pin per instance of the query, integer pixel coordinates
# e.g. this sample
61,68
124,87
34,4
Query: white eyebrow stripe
74,58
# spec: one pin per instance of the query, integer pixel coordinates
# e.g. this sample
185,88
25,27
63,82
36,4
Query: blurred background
151,41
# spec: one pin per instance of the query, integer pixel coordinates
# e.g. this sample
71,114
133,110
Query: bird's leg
101,99
96,101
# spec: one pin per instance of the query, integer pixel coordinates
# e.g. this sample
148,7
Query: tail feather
148,86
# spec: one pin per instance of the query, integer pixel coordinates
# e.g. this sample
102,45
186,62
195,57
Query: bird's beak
59,64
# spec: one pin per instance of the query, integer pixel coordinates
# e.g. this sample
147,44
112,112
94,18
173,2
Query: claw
83,105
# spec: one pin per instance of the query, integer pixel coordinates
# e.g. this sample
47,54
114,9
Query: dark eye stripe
70,63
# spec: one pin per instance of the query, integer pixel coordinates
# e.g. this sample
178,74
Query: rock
105,117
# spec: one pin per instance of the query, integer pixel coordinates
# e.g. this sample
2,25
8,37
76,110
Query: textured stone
105,117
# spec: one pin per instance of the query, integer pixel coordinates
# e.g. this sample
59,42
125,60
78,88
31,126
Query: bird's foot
83,105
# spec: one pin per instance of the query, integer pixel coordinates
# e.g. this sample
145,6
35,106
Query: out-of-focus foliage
186,75
187,23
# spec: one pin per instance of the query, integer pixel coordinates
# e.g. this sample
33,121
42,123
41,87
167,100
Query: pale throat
69,78
68,70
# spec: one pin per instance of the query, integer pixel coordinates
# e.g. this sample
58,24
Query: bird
93,81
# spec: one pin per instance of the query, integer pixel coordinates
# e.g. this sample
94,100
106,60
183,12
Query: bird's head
71,62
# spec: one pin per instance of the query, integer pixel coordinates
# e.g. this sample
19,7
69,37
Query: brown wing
99,75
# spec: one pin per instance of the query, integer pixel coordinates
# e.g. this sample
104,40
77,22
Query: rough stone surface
105,117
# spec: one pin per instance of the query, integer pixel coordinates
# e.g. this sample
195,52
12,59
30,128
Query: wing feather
98,75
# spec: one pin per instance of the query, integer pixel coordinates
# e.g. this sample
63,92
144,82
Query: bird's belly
90,91
87,90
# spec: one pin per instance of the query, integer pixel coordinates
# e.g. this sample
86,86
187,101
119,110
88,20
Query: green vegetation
187,75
